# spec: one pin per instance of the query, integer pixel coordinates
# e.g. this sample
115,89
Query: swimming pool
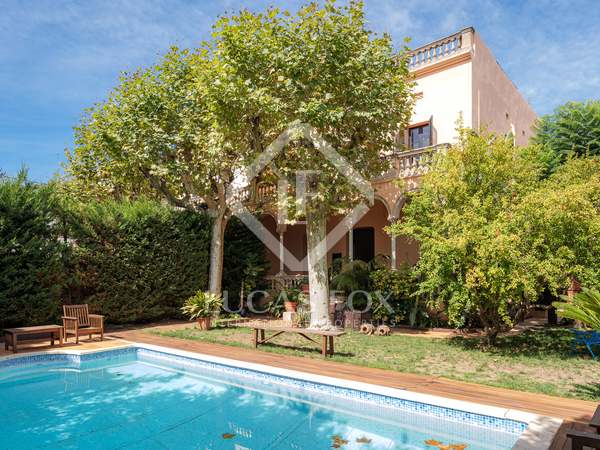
146,397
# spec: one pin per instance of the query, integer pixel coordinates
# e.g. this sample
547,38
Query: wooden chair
580,439
78,321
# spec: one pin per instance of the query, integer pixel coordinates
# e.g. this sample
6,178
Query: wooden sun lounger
595,423
580,439
77,321
259,335
11,335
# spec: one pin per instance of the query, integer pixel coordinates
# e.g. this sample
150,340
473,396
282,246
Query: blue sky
58,57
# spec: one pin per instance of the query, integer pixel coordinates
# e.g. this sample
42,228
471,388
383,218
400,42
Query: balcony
413,163
408,164
441,50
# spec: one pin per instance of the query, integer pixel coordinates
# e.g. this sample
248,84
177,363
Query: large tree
186,128
350,88
573,129
173,131
471,260
494,232
560,222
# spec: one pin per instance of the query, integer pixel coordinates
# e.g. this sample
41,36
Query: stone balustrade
441,49
408,164
413,163
285,281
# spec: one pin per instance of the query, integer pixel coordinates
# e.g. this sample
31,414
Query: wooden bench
259,335
11,335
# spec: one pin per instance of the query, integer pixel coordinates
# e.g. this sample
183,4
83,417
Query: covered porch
364,240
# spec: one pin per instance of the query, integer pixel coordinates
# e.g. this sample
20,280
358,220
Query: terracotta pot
204,323
290,306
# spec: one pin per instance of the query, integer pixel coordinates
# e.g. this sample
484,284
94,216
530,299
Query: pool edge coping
539,434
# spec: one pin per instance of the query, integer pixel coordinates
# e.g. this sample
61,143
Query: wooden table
327,336
11,335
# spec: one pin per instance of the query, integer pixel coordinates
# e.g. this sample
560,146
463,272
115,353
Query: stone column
281,231
394,262
394,244
351,243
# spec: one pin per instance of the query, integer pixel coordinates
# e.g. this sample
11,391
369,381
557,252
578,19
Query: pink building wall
497,103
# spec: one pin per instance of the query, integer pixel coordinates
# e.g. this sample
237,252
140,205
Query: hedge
31,254
133,261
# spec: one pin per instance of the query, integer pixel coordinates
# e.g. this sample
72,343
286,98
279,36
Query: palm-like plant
585,307
202,305
353,276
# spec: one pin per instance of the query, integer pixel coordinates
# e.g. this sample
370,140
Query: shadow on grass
589,390
548,342
274,346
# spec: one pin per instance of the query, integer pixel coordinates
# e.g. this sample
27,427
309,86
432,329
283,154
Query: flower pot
290,306
204,323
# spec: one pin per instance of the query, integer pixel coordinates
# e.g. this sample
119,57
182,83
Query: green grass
537,361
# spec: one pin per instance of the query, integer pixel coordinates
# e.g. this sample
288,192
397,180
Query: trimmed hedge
31,254
133,261
138,261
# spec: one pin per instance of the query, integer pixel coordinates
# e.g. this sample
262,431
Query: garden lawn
537,360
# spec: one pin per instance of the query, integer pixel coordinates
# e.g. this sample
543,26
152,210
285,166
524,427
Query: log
383,330
367,328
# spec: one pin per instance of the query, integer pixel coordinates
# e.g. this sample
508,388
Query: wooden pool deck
576,413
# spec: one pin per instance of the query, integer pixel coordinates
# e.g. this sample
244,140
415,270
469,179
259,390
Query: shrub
471,258
31,254
244,262
398,287
202,305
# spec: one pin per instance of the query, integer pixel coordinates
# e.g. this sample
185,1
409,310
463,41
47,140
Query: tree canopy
321,67
494,233
470,260
185,128
573,129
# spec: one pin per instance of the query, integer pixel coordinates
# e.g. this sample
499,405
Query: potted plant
202,307
292,297
353,276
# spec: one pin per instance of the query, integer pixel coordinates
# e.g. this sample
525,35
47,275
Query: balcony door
364,243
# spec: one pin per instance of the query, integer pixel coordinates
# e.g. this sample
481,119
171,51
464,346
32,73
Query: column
351,243
394,244
281,231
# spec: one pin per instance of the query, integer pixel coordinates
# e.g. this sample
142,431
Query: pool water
138,402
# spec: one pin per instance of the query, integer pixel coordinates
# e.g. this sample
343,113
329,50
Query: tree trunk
316,231
217,245
492,335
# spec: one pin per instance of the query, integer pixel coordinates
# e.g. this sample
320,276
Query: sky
58,57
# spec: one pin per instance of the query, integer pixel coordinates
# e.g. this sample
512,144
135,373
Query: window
419,136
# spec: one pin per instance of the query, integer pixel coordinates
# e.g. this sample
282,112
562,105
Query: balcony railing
414,163
441,49
285,281
404,164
